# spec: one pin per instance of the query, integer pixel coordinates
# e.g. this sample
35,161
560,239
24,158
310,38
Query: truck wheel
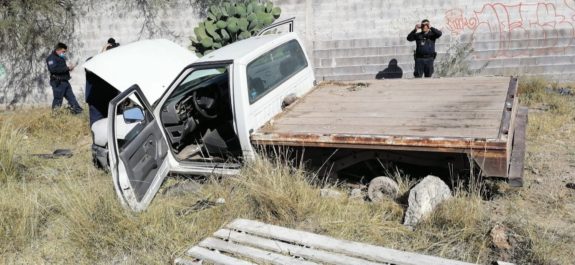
382,187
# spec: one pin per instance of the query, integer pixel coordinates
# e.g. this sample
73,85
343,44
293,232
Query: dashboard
193,106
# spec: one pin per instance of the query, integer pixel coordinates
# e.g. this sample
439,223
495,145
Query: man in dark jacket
59,76
98,92
425,48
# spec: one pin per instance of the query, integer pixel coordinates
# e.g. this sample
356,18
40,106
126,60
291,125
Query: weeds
10,141
549,110
457,61
21,217
65,211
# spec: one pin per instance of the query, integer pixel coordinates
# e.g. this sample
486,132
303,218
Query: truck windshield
273,68
194,79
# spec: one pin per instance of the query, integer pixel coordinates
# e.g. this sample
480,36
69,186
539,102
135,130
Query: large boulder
424,198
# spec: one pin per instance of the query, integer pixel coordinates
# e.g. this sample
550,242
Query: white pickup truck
219,109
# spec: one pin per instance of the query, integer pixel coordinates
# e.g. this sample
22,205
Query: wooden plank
516,165
492,164
390,98
380,122
410,87
350,125
215,257
350,248
250,252
318,100
375,119
425,84
289,249
386,94
509,116
382,142
428,106
367,146
407,131
509,108
488,114
497,91
182,261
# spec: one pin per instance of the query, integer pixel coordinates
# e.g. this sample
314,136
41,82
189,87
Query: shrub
227,23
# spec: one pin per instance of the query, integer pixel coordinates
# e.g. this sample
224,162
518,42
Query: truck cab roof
243,51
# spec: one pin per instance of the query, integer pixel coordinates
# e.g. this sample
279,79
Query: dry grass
10,141
64,211
548,110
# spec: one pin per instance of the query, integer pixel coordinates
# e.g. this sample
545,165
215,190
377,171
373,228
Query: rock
330,193
570,185
501,243
424,198
220,201
538,181
499,237
382,187
183,188
355,194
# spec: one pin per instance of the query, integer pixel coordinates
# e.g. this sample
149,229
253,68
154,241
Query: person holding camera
425,48
59,77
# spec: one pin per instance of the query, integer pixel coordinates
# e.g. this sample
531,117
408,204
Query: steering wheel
203,110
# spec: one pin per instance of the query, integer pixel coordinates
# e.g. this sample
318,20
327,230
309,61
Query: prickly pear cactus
230,22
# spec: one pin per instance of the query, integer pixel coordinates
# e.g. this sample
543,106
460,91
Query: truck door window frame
294,61
184,74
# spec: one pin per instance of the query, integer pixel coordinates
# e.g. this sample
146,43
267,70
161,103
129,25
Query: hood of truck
150,64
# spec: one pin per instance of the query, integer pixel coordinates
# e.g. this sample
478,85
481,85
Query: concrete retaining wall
355,39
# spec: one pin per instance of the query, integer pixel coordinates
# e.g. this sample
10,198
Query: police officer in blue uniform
59,77
425,48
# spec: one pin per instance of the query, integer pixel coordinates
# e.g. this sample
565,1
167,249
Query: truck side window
273,68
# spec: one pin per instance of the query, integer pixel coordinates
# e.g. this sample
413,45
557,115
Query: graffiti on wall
519,29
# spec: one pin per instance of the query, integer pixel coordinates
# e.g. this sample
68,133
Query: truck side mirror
134,114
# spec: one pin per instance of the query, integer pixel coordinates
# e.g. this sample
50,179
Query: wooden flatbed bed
479,116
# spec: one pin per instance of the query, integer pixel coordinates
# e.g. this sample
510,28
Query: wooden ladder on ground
251,242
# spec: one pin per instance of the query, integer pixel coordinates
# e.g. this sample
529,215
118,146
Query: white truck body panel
251,117
247,117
